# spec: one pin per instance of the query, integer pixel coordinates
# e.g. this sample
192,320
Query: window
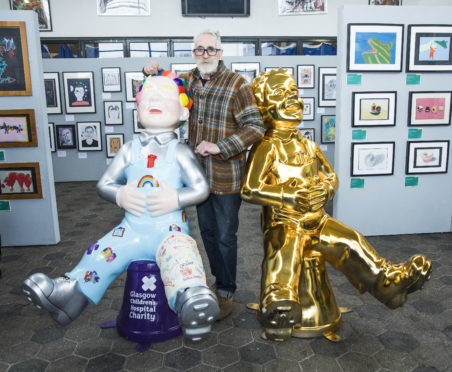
278,48
152,49
234,49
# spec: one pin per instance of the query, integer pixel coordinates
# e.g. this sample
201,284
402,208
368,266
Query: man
89,140
224,121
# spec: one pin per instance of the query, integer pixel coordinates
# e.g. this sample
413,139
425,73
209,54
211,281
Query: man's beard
207,68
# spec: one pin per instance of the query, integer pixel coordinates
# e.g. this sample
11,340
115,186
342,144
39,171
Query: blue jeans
218,219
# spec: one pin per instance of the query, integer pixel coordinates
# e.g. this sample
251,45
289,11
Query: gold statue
292,179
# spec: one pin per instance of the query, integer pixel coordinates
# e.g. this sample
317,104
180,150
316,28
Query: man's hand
207,148
131,199
164,201
152,68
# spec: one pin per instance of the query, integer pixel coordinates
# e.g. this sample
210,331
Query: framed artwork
137,127
79,92
305,76
327,86
385,2
15,69
182,68
65,136
328,128
111,79
113,112
429,48
306,7
133,84
288,69
113,141
53,95
372,159
427,157
249,70
42,9
18,128
51,128
308,133
374,47
20,181
309,108
123,7
373,109
429,108
89,136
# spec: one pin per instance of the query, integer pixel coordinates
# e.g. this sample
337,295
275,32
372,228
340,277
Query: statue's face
282,98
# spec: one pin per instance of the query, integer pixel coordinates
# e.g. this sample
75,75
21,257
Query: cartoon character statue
292,179
153,177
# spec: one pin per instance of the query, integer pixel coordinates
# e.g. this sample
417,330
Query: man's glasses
210,51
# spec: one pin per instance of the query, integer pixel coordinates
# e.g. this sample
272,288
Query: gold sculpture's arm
326,172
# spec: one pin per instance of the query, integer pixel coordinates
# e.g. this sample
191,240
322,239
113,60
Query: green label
359,134
357,183
354,79
4,205
411,181
2,156
413,79
414,133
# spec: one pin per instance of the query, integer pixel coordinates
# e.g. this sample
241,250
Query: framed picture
328,128
133,84
288,7
374,47
137,127
372,159
113,141
308,133
53,95
20,181
182,68
288,69
429,48
79,92
89,136
429,108
113,112
15,70
51,128
124,7
373,109
309,108
427,157
385,2
111,79
42,8
249,70
305,76
327,86
18,128
65,136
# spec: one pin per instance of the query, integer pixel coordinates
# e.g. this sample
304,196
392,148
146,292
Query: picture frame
111,79
18,128
327,87
290,70
429,48
133,79
249,70
124,8
374,109
89,136
374,47
137,127
372,159
308,133
65,136
286,8
42,9
429,108
15,76
385,2
20,181
182,68
309,108
328,128
113,142
79,92
305,76
426,157
53,94
113,114
51,128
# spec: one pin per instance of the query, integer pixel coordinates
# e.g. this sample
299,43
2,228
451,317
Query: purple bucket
145,316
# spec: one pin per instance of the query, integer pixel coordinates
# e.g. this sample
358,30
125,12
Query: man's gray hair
215,34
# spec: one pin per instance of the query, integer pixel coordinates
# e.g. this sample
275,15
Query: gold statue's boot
280,311
396,281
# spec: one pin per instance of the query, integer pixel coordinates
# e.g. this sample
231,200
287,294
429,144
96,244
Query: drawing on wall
373,109
301,7
249,70
328,128
18,128
137,127
133,84
111,79
307,133
427,157
89,136
114,142
372,159
79,92
65,136
374,47
327,86
305,76
14,66
51,127
113,112
52,90
124,7
385,2
429,108
20,181
42,9
429,48
309,108
182,68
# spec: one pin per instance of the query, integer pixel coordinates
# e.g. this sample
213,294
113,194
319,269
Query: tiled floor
416,337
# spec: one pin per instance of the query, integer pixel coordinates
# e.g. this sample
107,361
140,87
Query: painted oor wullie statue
153,177
292,179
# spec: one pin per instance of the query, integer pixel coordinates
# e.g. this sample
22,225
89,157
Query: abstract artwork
372,159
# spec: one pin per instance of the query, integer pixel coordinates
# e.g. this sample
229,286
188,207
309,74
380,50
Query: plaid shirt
225,113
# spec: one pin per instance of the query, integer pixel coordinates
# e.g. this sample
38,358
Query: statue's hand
311,199
131,199
164,201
